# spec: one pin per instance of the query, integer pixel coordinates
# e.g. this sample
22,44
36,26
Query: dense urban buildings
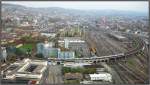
61,45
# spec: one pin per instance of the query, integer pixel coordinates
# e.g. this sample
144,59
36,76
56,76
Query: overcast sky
141,6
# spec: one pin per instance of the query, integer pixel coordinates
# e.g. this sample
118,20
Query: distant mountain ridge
12,8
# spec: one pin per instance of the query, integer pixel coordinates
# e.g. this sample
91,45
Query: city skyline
139,6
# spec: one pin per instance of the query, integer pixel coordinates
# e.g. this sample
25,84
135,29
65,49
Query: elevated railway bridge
111,58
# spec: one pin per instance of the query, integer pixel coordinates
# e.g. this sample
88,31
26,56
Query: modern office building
66,55
47,50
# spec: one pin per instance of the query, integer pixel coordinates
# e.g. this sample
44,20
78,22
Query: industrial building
25,70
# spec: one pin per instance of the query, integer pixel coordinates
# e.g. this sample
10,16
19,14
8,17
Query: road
53,75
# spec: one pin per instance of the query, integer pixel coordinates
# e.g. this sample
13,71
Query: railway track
102,44
120,72
132,72
136,50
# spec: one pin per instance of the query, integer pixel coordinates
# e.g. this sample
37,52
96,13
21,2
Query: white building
48,34
25,23
69,42
4,53
66,43
73,64
101,76
48,44
26,70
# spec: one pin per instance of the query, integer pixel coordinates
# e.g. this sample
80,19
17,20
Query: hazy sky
88,5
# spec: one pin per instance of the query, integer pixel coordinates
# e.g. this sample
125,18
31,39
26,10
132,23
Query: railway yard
132,70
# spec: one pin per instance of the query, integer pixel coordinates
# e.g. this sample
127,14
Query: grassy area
25,47
71,81
78,70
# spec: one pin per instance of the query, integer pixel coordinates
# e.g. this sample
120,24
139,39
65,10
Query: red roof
32,82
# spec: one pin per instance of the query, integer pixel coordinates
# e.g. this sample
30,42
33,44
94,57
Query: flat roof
19,69
71,38
38,69
101,74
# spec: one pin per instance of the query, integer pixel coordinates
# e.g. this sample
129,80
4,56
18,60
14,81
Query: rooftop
26,69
